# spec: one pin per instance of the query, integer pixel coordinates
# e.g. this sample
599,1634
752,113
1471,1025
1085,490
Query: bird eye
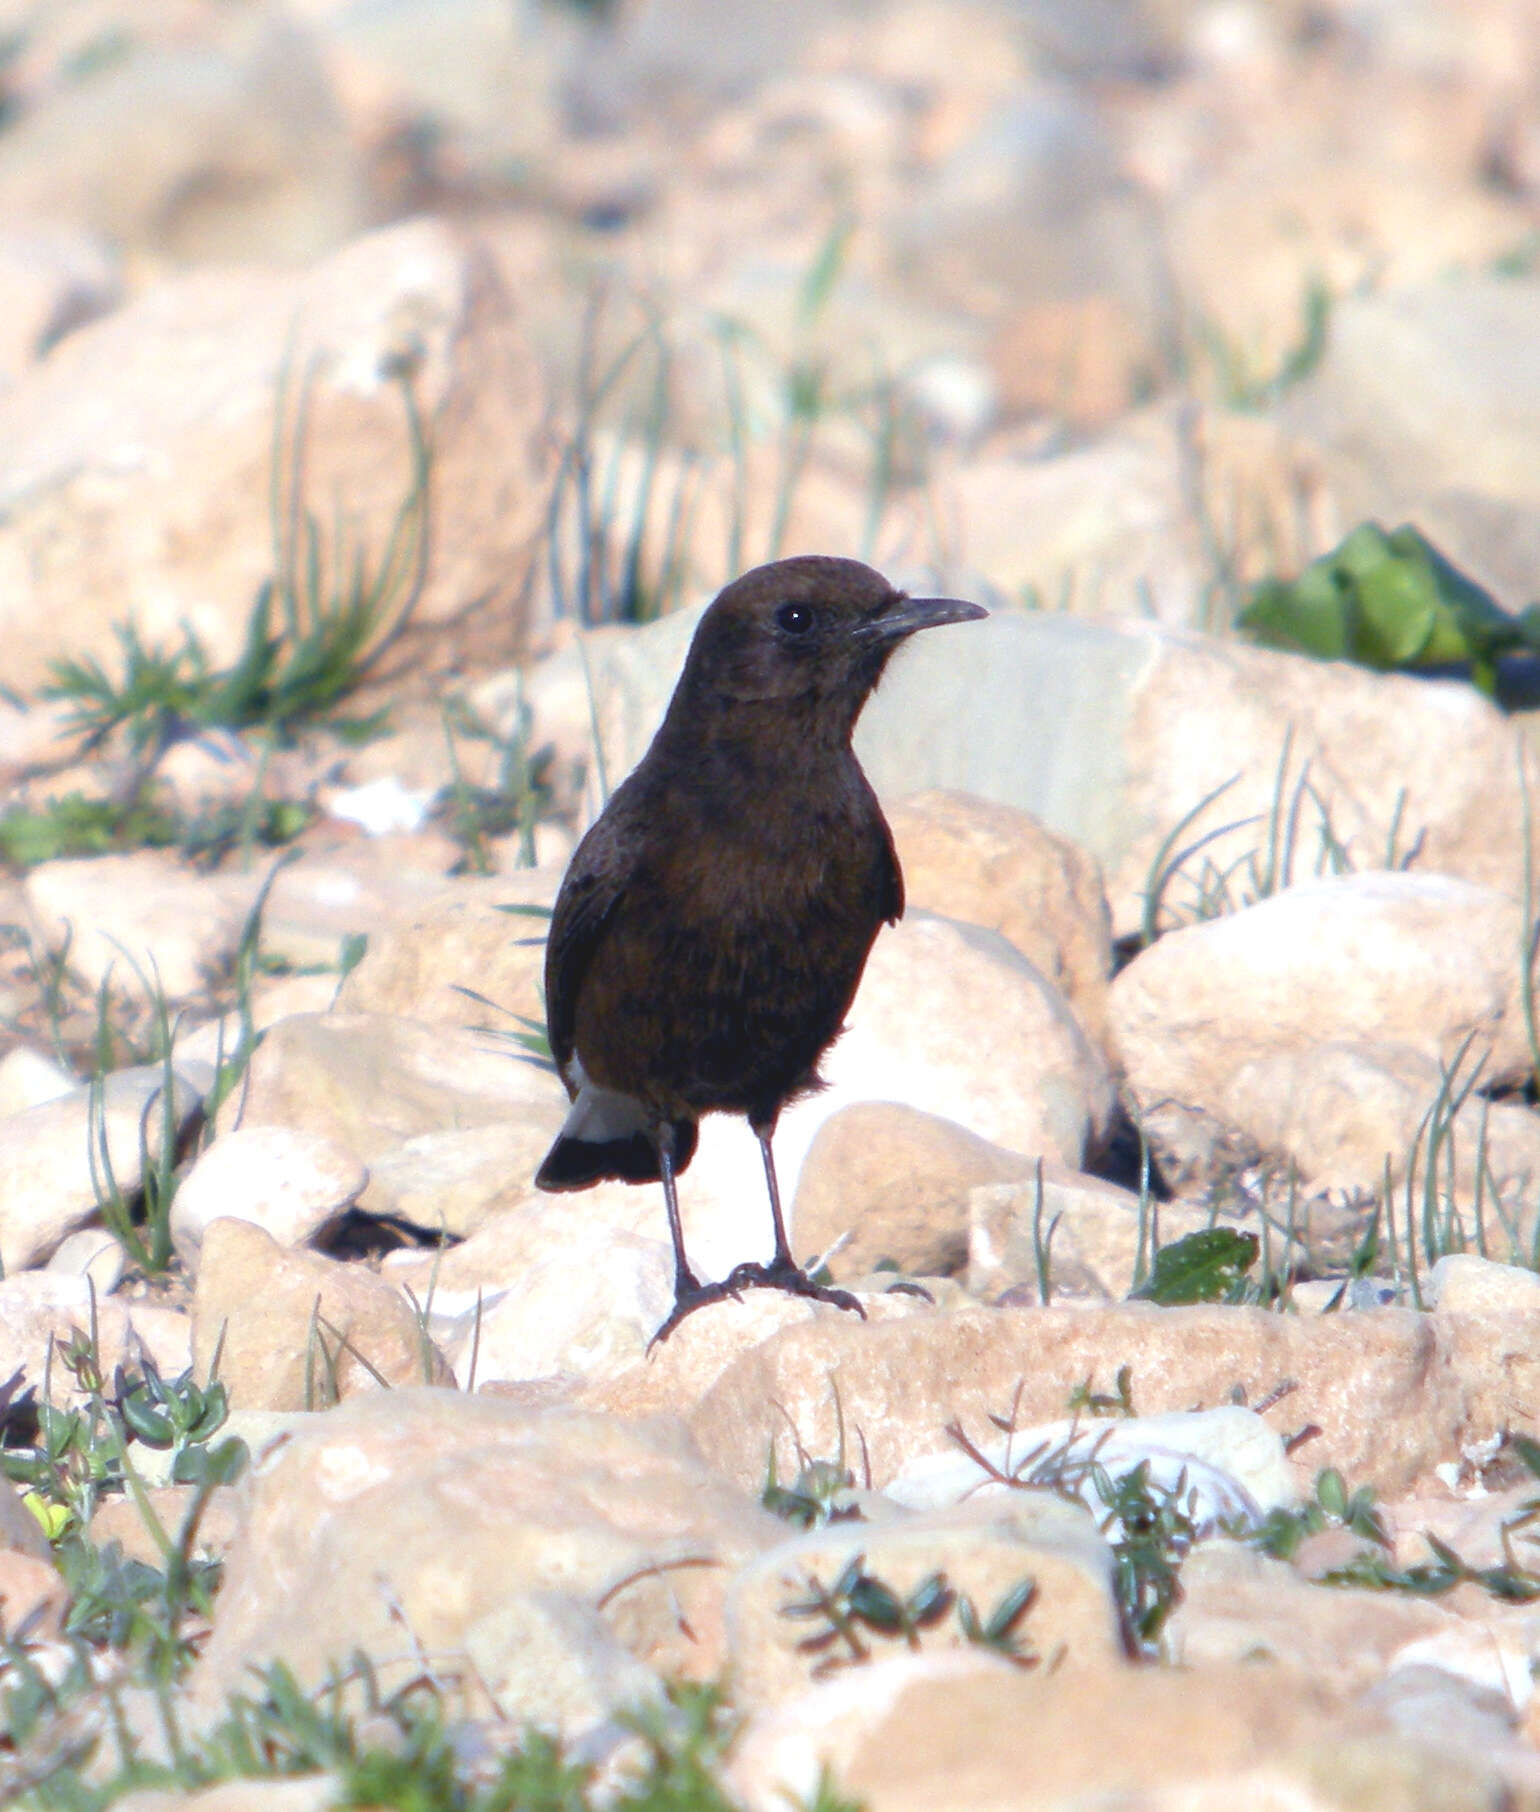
795,619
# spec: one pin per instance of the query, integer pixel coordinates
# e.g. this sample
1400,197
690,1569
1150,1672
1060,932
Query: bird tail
607,1136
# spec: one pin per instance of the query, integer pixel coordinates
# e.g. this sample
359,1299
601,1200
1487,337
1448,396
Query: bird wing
592,890
893,880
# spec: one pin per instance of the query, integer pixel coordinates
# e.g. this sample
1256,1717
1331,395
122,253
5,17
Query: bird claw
790,1278
692,1296
794,1281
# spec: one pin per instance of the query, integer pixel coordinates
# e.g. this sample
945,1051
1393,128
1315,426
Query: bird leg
689,1292
783,1272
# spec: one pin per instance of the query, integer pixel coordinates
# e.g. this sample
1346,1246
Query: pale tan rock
486,80
203,1047
164,1334
984,1551
1464,479
1461,1283
1462,1727
986,864
1081,359
502,1306
1472,1526
47,1183
349,884
1227,1462
180,924
496,1255
934,1730
369,1083
300,1793
463,1178
289,1183
219,771
35,736
225,141
32,1595
437,1508
460,940
92,1252
1250,240
28,1079
1377,1384
1089,1231
41,1312
297,1331
547,1657
951,1020
136,475
893,1183
1237,1605
20,1531
1475,1671
121,1520
1342,1111
537,1325
52,280
1493,1351
1109,527
1420,960
712,1342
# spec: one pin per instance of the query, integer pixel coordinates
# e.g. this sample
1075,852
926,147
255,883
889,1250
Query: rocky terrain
386,386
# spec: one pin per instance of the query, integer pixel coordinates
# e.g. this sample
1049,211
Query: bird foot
690,1296
794,1281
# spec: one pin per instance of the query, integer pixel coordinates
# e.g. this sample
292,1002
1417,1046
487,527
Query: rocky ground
384,390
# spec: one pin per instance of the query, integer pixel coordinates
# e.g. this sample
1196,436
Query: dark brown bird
711,931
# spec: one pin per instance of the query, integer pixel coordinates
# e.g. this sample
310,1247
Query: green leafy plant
1260,870
860,1609
316,629
1241,384
208,837
622,511
142,1226
528,1034
815,1497
1085,1401
820,1493
1211,1265
1149,1526
80,1456
1390,601
401,1751
1151,1529
76,1458
1332,1506
514,803
76,825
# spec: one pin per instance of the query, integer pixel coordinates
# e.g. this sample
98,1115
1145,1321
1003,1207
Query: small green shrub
1390,601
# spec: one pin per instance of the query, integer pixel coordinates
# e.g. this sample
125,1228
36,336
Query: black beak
907,615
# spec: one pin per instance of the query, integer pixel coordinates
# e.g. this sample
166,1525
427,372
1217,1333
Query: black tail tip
580,1163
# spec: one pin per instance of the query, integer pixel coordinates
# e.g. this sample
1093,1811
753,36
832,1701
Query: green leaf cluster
1208,1266
1390,601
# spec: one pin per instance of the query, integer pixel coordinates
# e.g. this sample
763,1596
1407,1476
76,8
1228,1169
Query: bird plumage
714,923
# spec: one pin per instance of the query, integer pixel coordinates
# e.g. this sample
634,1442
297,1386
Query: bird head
813,629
